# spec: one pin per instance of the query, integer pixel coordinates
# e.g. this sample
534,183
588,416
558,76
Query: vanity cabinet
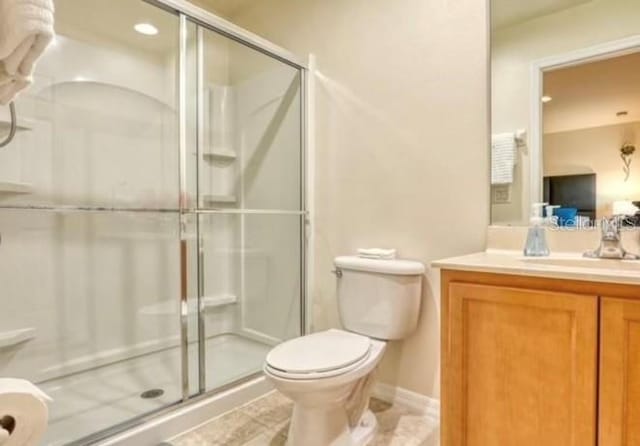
619,401
539,362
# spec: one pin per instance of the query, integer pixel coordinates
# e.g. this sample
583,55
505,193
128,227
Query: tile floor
264,422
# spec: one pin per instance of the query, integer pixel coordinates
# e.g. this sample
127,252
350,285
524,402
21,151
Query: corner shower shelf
12,187
169,307
15,337
218,300
226,199
220,155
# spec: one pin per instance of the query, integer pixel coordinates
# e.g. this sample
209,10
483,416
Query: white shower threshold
97,399
159,429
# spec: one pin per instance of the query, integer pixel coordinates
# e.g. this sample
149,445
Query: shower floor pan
90,401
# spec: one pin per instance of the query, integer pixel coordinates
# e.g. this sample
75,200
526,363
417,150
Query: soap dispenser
536,238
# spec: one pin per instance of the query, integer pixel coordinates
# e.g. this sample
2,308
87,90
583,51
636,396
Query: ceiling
113,21
224,8
590,95
510,12
103,21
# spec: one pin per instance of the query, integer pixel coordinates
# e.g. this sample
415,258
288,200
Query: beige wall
401,141
595,150
515,48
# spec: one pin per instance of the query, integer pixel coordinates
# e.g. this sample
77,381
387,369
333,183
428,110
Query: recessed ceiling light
546,99
146,28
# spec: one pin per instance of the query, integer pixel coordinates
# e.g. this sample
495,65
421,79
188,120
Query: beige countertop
571,266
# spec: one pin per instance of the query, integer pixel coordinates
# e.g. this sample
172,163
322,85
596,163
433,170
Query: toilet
329,374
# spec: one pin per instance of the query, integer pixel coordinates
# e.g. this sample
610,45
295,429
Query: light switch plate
501,194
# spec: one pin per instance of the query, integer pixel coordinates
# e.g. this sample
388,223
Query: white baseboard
415,402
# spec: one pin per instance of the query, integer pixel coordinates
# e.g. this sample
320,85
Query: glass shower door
248,205
151,216
89,219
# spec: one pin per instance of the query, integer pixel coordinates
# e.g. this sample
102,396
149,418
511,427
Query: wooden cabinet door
519,367
619,373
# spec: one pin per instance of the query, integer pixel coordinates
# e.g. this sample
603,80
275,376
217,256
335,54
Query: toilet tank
379,298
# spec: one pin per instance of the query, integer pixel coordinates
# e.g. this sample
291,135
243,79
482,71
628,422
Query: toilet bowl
329,376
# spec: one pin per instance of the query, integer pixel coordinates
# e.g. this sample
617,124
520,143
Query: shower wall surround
91,217
95,141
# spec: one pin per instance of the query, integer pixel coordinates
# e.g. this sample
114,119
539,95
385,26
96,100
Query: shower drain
152,393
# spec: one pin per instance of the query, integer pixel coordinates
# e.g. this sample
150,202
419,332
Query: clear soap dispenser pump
536,238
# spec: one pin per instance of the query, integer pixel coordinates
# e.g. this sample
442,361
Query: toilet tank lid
396,266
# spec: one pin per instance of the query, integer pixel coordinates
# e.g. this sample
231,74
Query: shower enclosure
152,213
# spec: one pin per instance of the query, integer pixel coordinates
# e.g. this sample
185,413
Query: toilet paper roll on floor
23,413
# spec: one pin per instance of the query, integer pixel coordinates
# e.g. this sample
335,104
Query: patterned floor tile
265,422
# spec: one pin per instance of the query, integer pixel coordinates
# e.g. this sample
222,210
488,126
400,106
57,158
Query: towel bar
14,126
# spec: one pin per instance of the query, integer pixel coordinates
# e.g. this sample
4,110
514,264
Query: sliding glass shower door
246,202
90,221
151,215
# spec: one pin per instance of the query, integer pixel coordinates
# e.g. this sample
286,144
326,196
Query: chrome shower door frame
205,20
190,14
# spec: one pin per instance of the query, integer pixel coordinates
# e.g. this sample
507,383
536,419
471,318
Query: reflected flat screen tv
572,191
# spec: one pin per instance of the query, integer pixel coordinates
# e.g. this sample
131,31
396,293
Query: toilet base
336,425
366,429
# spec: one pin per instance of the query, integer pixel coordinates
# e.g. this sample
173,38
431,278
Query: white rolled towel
23,407
377,253
26,29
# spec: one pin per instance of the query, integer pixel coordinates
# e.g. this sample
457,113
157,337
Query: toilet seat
319,355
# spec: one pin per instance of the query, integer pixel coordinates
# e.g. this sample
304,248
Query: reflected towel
26,29
503,158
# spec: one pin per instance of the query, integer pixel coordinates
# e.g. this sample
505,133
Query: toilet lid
319,352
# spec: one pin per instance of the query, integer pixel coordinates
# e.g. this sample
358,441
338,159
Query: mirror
565,110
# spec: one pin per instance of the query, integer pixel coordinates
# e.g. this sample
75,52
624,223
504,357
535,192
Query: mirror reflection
565,110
